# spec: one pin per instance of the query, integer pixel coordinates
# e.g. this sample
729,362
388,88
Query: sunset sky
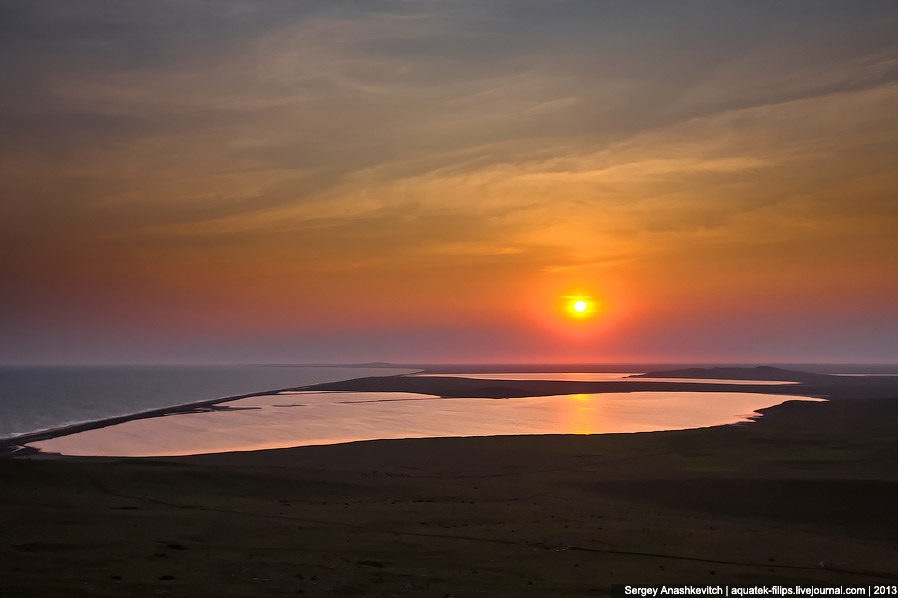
188,181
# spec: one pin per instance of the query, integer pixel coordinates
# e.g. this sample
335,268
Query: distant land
761,372
628,367
809,384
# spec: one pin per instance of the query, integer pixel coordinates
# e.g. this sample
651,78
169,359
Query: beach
805,494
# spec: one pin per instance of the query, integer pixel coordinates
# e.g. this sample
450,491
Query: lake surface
306,418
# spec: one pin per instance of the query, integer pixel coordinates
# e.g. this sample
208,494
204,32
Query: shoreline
818,386
16,446
506,516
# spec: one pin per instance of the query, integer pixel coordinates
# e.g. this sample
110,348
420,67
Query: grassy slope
504,516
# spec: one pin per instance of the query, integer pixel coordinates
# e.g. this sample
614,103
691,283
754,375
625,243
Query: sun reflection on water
581,414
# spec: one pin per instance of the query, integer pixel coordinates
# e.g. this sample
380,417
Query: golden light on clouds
385,177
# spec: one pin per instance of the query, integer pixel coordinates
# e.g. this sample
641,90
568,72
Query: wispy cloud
150,145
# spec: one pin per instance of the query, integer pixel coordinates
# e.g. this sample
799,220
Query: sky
235,181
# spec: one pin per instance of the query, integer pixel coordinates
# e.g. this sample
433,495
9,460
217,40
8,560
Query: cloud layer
264,176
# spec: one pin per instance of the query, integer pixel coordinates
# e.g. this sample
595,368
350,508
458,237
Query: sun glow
580,307
575,312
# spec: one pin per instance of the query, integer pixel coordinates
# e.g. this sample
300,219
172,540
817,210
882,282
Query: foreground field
805,495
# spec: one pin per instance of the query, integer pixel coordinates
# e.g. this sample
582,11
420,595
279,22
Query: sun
580,306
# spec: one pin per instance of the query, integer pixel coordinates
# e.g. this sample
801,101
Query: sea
36,398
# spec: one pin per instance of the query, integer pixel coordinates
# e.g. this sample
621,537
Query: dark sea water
34,398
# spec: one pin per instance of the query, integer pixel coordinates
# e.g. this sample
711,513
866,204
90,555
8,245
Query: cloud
170,145
704,180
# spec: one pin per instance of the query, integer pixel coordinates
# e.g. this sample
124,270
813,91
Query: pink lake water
307,418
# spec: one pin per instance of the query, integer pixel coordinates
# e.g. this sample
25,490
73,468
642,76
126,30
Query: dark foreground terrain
806,494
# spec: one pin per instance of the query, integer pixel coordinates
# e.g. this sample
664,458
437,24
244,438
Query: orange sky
424,182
